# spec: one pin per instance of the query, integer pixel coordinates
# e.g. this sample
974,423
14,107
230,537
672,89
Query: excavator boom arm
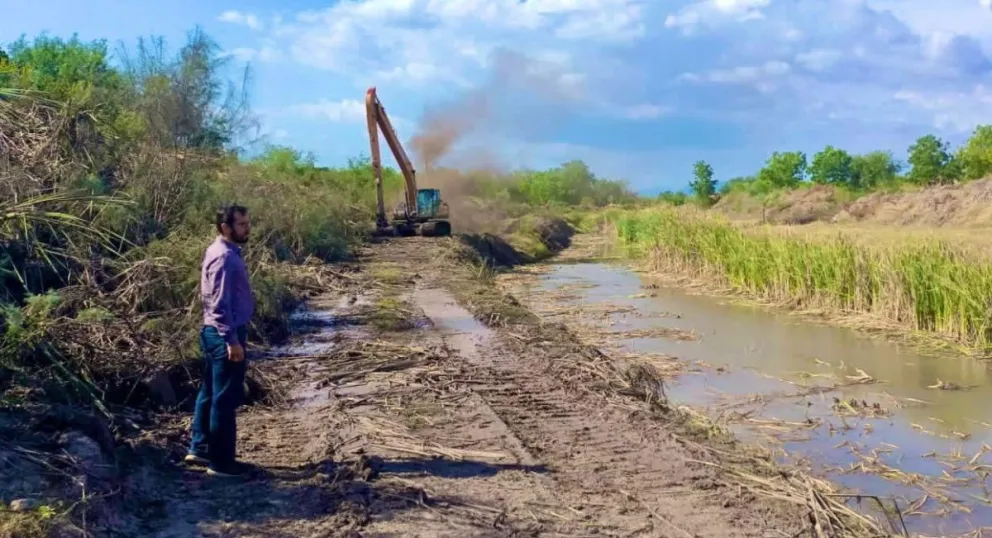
379,121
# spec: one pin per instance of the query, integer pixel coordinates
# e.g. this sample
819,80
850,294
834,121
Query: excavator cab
428,202
430,218
421,210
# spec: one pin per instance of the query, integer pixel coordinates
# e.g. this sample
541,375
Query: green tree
6,71
572,183
929,159
737,184
673,198
703,185
575,182
975,157
784,170
606,192
832,166
874,169
67,70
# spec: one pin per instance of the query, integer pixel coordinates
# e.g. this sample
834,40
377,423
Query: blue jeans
221,392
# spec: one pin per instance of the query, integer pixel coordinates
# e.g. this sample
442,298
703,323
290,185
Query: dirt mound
554,233
804,206
962,205
739,205
801,206
493,249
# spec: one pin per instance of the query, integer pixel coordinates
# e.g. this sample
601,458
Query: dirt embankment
422,401
554,234
958,206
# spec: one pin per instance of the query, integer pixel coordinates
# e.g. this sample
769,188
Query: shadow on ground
163,498
455,469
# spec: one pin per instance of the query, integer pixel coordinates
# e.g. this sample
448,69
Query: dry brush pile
107,187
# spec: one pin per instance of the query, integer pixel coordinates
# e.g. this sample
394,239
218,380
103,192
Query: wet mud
417,399
872,416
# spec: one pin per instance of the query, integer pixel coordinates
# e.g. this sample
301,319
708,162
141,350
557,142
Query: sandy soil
409,417
962,206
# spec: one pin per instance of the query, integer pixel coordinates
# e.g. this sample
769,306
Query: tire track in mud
481,442
492,486
614,474
325,470
298,490
461,434
409,496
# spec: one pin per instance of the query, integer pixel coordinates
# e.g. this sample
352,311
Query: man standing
228,304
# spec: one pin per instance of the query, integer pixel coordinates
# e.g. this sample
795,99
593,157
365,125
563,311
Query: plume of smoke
479,116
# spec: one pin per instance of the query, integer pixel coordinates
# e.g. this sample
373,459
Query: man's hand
235,353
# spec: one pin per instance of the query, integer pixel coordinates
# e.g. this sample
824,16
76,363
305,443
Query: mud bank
551,235
872,416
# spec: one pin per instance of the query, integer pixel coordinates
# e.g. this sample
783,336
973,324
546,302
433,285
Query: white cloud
645,111
445,46
787,73
846,54
262,54
440,40
966,17
755,75
819,59
956,111
711,12
245,19
415,74
343,111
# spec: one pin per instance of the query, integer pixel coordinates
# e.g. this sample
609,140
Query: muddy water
756,368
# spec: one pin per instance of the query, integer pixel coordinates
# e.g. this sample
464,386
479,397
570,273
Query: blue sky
639,89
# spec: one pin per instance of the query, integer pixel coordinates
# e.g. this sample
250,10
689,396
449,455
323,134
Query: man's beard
239,239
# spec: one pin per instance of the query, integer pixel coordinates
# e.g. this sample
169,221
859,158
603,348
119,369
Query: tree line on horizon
930,162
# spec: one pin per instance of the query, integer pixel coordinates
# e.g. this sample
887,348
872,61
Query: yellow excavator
422,210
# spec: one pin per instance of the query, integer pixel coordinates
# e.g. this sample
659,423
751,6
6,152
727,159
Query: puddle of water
463,332
299,349
760,349
318,328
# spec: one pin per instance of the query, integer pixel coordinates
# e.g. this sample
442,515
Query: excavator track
402,229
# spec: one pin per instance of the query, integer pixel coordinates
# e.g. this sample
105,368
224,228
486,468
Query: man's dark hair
227,213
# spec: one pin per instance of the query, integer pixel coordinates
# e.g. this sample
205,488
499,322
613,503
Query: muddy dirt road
403,415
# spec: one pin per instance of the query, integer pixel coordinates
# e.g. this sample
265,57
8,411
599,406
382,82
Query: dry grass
872,235
22,525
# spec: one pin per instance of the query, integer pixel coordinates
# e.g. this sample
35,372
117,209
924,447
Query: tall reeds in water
929,286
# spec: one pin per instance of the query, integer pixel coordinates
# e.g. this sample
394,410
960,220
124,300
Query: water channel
884,421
